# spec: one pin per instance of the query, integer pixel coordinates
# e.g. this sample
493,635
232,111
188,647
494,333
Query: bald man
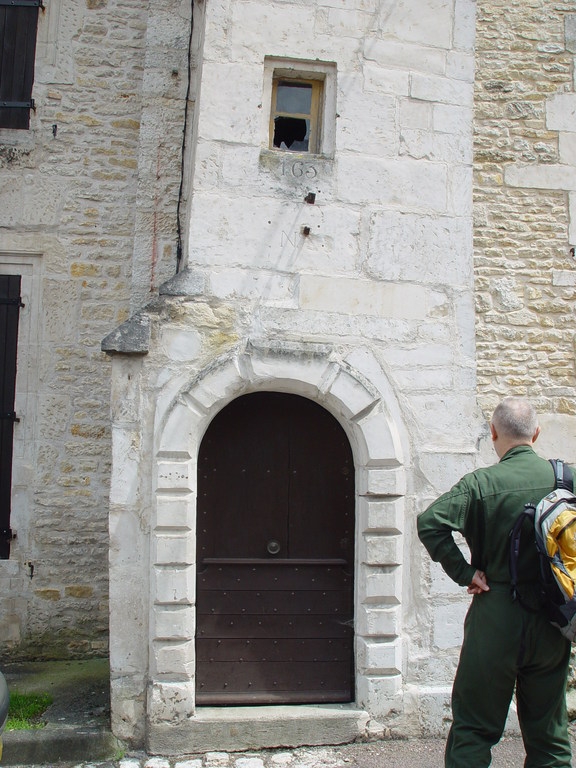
506,645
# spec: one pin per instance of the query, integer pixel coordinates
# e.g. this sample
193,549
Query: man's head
514,422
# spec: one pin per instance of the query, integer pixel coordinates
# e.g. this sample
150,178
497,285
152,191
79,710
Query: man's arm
436,526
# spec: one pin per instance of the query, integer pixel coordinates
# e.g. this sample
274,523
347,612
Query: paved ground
77,734
390,754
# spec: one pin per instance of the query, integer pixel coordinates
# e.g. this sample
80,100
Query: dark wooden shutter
10,304
18,28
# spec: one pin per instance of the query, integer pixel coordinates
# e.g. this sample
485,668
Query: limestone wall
101,160
525,222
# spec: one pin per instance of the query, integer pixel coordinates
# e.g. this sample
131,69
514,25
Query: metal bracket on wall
10,416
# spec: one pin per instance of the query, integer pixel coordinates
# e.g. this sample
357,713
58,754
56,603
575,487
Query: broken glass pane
291,133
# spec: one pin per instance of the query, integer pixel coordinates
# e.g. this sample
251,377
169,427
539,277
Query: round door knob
273,547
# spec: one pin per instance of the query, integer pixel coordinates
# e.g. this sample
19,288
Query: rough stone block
397,183
441,90
561,112
230,82
254,21
415,115
382,482
125,390
379,135
179,434
170,702
174,512
380,657
174,549
173,585
460,66
339,23
180,345
541,176
401,54
175,475
173,622
174,658
453,120
363,297
386,80
380,695
352,392
449,624
125,466
380,586
429,707
444,468
128,707
379,515
381,439
218,385
441,583
286,363
381,550
252,284
464,25
378,622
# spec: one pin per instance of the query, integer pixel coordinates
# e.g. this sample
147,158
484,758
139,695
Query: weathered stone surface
362,300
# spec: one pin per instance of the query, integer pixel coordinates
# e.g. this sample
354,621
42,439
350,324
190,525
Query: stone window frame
322,76
29,266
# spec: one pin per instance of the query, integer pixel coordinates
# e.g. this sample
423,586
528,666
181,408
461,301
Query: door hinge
15,301
10,416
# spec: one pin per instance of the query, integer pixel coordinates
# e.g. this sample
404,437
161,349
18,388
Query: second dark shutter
18,29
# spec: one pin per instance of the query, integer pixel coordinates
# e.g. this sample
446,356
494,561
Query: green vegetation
26,709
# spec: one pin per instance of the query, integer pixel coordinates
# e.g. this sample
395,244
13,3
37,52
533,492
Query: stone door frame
352,386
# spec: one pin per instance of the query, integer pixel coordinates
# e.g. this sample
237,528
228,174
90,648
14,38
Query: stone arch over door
355,390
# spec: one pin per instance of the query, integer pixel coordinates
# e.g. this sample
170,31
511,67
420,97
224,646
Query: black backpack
554,520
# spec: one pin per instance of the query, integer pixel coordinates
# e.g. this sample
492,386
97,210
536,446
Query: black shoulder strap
563,475
529,512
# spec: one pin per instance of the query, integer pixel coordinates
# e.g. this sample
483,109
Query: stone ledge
56,744
241,728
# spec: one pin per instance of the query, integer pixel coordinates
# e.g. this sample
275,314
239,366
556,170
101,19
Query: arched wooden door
275,555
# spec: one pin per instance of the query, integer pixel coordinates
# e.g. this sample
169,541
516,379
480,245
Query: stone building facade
403,274
74,190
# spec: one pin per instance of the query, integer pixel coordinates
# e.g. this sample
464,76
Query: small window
18,28
295,115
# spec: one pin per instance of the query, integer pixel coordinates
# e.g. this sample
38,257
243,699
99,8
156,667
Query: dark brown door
275,555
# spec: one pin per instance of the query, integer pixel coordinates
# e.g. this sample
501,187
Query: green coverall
505,644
